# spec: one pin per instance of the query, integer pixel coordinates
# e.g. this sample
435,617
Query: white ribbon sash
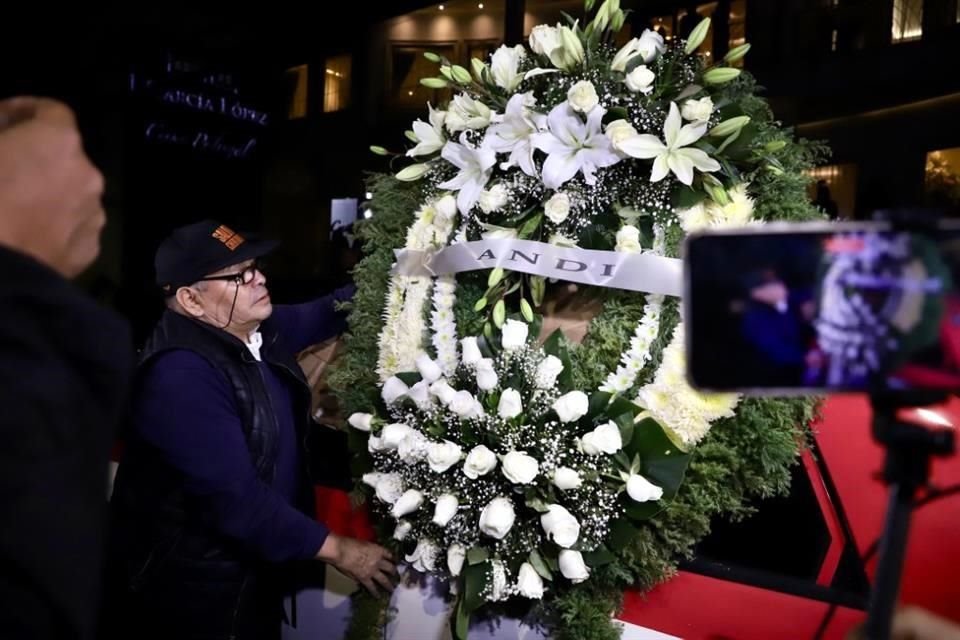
632,271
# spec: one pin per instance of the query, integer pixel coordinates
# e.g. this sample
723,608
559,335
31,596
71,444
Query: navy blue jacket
212,491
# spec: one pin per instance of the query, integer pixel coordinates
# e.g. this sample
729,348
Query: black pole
513,22
893,546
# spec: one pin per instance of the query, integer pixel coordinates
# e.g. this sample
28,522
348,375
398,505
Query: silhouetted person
824,201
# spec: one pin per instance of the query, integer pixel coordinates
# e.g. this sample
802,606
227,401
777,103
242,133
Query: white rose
529,582
560,526
402,530
557,207
424,557
572,566
566,478
582,96
390,488
446,508
409,502
446,209
497,518
463,404
429,370
650,45
480,461
628,239
372,479
618,131
642,490
493,199
519,468
604,439
493,232
413,448
443,455
505,65
547,372
544,39
571,406
640,79
456,554
393,434
420,394
471,351
514,334
510,405
443,391
375,444
393,389
486,377
697,110
360,421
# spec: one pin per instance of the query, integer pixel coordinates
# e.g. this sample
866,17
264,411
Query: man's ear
189,301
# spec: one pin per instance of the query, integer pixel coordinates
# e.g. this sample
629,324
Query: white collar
254,344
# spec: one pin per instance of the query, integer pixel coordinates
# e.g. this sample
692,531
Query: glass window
298,78
907,20
336,85
942,177
834,189
738,26
408,66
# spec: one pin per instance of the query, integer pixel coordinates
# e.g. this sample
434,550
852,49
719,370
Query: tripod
906,470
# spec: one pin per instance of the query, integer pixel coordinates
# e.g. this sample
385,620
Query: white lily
430,136
475,164
466,113
675,154
513,134
573,145
504,67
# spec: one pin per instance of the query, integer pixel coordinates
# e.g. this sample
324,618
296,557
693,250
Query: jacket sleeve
186,410
302,325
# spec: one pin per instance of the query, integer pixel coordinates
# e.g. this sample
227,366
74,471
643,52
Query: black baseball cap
199,249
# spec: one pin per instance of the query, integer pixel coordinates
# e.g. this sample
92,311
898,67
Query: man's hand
50,193
367,563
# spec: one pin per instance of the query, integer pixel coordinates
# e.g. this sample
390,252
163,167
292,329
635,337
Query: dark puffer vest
165,549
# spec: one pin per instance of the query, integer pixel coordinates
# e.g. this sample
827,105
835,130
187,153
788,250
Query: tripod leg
883,595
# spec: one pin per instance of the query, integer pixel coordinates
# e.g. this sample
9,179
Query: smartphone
789,309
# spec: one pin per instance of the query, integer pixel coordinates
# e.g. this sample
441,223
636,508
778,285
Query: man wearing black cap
211,497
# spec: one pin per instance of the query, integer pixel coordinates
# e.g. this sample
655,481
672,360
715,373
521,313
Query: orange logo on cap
228,237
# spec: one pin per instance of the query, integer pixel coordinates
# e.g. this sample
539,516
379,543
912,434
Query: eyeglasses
244,277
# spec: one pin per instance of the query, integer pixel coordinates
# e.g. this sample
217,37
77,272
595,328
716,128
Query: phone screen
807,308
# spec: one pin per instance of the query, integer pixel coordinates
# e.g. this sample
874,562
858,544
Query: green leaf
476,555
461,621
598,403
536,325
621,405
599,557
726,143
526,310
485,348
625,422
537,504
530,226
685,197
615,113
556,345
409,378
662,463
536,561
475,577
513,287
622,531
